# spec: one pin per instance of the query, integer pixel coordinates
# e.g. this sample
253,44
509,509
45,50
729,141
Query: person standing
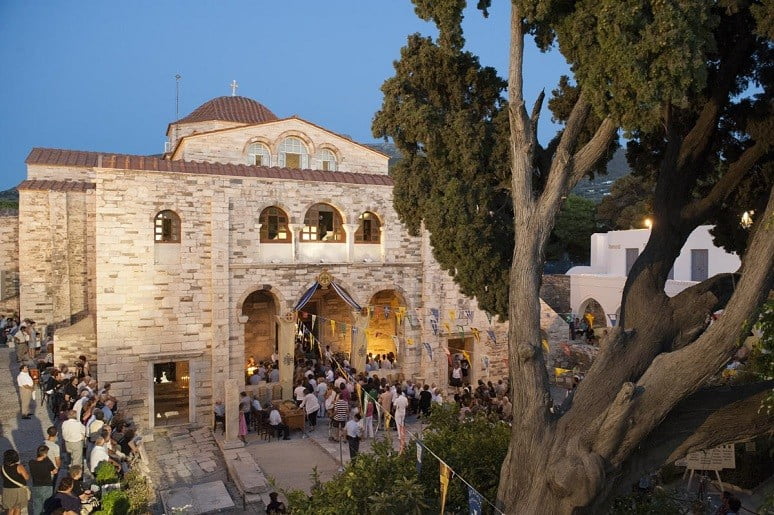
401,403
311,405
22,342
354,431
26,385
43,473
74,434
15,478
54,453
340,414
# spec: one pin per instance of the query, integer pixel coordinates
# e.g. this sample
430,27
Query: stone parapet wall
60,173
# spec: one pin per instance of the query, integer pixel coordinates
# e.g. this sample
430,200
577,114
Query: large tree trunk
659,356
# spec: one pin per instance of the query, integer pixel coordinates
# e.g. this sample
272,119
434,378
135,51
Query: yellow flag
445,473
476,334
333,326
546,348
410,341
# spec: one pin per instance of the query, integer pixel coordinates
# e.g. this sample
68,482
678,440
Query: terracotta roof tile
230,109
48,185
59,157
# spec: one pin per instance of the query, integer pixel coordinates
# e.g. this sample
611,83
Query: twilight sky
97,75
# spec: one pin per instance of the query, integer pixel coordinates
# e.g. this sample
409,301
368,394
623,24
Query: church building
171,271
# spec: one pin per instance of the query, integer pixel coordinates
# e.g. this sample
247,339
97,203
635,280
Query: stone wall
56,269
76,340
9,261
230,146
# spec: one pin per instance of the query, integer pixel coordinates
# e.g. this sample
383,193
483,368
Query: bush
137,490
114,502
105,474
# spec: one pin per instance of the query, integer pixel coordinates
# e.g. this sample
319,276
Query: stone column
231,388
350,229
295,234
357,356
286,338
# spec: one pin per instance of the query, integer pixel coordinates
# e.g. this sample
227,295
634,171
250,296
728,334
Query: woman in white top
311,405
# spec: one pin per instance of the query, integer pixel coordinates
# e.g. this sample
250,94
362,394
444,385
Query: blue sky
97,75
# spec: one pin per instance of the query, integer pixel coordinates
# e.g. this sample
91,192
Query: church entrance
171,393
327,320
261,326
385,309
462,350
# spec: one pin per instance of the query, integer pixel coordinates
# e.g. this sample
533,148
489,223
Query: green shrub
114,502
105,474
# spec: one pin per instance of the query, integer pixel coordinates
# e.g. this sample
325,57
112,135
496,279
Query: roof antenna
234,87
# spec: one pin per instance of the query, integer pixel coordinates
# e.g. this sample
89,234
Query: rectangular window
367,230
631,257
326,166
258,160
699,264
292,160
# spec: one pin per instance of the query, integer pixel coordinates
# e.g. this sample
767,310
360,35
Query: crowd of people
86,429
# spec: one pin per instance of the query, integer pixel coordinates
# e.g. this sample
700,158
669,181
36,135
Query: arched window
258,154
368,230
166,227
327,160
274,226
322,223
293,153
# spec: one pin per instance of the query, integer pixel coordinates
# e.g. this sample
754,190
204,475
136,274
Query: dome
230,109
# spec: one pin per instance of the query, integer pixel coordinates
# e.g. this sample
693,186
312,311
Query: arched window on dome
274,226
368,229
166,227
327,160
323,223
293,153
258,154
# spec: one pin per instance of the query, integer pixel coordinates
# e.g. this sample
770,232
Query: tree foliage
675,74
575,223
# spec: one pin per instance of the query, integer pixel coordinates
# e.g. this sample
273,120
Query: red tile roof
58,157
46,185
230,109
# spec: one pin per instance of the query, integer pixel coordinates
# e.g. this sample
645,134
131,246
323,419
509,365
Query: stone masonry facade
89,258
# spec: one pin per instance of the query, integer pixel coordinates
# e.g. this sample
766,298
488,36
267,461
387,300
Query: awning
306,297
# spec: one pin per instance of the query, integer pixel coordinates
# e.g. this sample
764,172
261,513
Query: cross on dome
234,87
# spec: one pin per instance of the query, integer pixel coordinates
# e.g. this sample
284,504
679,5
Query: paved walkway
23,435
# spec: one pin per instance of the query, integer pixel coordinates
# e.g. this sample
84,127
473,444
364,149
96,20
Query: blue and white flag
419,457
474,501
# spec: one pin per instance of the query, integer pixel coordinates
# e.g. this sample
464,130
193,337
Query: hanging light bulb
747,220
648,223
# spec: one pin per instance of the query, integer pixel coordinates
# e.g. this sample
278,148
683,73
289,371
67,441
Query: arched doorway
383,324
328,321
261,328
592,311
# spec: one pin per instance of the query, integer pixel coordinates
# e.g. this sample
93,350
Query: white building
598,288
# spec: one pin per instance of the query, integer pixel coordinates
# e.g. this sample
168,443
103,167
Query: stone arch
345,216
257,313
292,133
383,323
593,307
257,139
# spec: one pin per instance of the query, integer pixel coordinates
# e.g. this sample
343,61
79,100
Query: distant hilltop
9,200
592,189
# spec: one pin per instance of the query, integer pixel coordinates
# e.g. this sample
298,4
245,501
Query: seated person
275,506
275,421
99,454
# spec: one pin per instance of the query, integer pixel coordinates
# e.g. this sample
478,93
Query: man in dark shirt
425,398
63,498
42,471
275,506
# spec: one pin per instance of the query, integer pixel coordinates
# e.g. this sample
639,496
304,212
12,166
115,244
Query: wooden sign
712,459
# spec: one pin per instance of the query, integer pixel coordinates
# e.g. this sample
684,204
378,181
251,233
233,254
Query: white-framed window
258,154
166,227
293,153
327,160
323,223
